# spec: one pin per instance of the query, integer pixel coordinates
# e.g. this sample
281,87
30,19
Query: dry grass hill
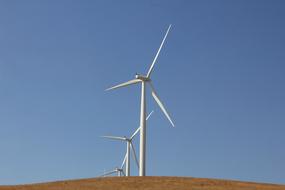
146,183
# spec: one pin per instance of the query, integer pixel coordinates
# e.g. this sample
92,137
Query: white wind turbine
120,172
130,148
146,80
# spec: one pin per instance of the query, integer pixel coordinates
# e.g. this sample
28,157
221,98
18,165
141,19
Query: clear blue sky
220,75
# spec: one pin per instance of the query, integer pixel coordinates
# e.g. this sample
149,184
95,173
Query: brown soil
146,183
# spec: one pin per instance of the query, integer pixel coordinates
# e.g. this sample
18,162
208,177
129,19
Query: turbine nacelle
127,139
142,77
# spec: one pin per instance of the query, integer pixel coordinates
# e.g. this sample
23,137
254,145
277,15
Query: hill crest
146,183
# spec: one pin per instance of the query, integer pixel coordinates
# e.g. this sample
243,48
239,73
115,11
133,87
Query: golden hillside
146,183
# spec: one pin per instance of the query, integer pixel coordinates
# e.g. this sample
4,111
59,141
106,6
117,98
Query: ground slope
147,183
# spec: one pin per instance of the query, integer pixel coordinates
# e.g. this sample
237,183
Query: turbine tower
145,79
130,148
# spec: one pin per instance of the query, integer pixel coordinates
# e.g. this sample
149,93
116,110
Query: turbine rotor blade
108,173
158,101
134,81
138,129
149,115
134,154
154,60
114,138
135,133
124,161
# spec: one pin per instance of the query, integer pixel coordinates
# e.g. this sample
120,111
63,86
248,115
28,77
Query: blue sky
220,75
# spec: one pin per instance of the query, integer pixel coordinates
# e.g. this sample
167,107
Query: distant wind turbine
119,171
130,148
146,80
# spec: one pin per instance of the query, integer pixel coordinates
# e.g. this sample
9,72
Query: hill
146,183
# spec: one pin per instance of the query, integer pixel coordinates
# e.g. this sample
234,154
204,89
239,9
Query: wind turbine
130,148
120,172
145,79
